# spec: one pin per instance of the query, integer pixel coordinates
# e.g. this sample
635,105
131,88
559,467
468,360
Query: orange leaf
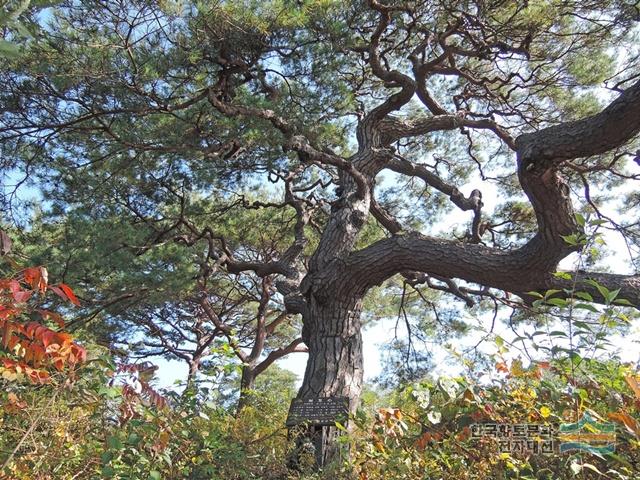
36,277
502,367
78,354
69,293
634,384
421,443
465,434
14,404
8,312
626,420
39,376
7,333
543,365
59,364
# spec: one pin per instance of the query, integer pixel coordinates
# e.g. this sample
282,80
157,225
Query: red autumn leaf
48,338
8,363
29,355
8,312
32,276
465,434
38,353
38,376
13,341
40,348
58,291
69,293
37,278
59,364
14,286
421,443
35,330
78,353
65,292
7,333
63,338
543,365
22,296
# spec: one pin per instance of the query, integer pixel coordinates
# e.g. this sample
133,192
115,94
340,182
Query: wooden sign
318,411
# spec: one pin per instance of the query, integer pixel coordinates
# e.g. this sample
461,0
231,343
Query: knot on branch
295,143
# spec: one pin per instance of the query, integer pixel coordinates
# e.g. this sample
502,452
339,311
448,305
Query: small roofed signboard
318,411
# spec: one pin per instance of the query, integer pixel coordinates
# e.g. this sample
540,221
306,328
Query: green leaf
583,394
155,475
580,220
551,292
108,472
612,295
583,325
114,443
604,291
623,301
557,333
570,239
624,318
558,302
587,306
597,222
562,275
584,296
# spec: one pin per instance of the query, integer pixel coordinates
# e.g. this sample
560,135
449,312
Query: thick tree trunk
247,383
194,367
332,333
334,369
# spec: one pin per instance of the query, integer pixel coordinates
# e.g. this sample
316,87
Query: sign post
315,419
